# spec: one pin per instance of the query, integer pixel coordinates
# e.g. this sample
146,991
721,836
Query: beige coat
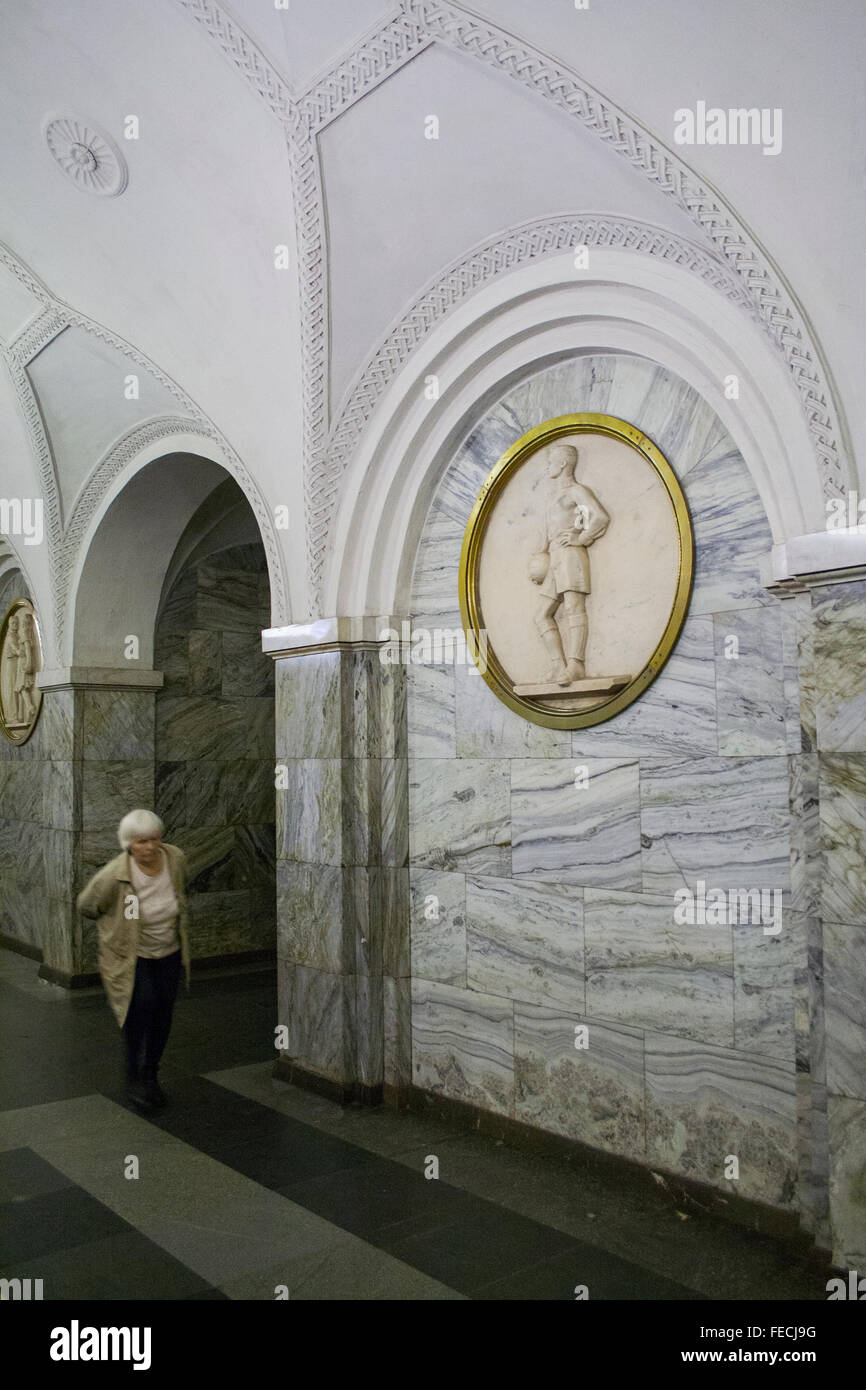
108,896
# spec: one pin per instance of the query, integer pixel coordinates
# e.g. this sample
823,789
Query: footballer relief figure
573,519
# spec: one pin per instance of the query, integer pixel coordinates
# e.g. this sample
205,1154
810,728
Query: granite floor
246,1186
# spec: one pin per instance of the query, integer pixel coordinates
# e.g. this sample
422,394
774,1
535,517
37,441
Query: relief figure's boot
550,637
575,648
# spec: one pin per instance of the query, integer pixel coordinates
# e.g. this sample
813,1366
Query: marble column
342,859
99,731
825,670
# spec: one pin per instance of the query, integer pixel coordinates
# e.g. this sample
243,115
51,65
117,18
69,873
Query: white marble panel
750,681
430,698
731,534
791,612
675,417
646,970
438,917
487,728
843,836
764,990
705,1104
847,1134
569,832
594,1093
677,713
310,812
845,1008
437,566
463,1045
840,666
459,815
722,820
525,941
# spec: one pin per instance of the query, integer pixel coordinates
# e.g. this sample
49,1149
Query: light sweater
157,911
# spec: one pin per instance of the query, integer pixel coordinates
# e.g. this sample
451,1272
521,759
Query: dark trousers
148,1022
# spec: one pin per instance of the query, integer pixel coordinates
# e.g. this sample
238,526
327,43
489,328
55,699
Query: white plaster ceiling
807,205
80,384
307,36
181,264
17,305
401,207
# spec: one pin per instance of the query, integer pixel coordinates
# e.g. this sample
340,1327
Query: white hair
138,823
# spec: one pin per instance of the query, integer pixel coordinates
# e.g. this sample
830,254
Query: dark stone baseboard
66,979
91,980
352,1093
688,1194
21,948
265,955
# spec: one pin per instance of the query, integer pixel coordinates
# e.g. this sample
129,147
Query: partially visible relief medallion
20,663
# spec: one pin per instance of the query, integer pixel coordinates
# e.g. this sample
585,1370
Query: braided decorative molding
519,246
376,58
423,21
194,418
313,289
244,54
37,335
110,466
778,311
29,407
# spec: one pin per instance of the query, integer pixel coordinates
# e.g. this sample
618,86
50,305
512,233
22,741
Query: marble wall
550,981
212,767
36,826
342,876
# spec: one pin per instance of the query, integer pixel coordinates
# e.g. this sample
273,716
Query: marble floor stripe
239,1236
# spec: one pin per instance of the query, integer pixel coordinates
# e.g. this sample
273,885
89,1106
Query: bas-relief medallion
576,570
20,663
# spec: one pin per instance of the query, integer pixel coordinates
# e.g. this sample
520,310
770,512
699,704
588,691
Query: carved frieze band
418,23
37,335
368,65
519,246
777,309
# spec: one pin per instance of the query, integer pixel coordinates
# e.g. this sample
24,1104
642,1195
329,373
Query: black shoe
136,1092
154,1094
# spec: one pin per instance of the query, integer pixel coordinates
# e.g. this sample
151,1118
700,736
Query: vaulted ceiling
303,125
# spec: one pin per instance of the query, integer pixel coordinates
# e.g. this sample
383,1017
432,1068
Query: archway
174,562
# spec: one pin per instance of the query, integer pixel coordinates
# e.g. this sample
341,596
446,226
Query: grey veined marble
843,835
750,681
525,941
487,728
676,714
463,1045
840,666
644,969
458,815
845,1008
706,1105
430,701
847,1123
576,821
438,907
731,534
580,1077
722,820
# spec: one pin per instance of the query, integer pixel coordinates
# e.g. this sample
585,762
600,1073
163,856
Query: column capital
329,635
99,678
834,556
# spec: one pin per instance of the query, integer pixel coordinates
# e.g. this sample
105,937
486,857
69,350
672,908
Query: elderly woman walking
140,901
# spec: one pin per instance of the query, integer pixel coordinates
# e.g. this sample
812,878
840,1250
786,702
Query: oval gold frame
473,539
15,607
